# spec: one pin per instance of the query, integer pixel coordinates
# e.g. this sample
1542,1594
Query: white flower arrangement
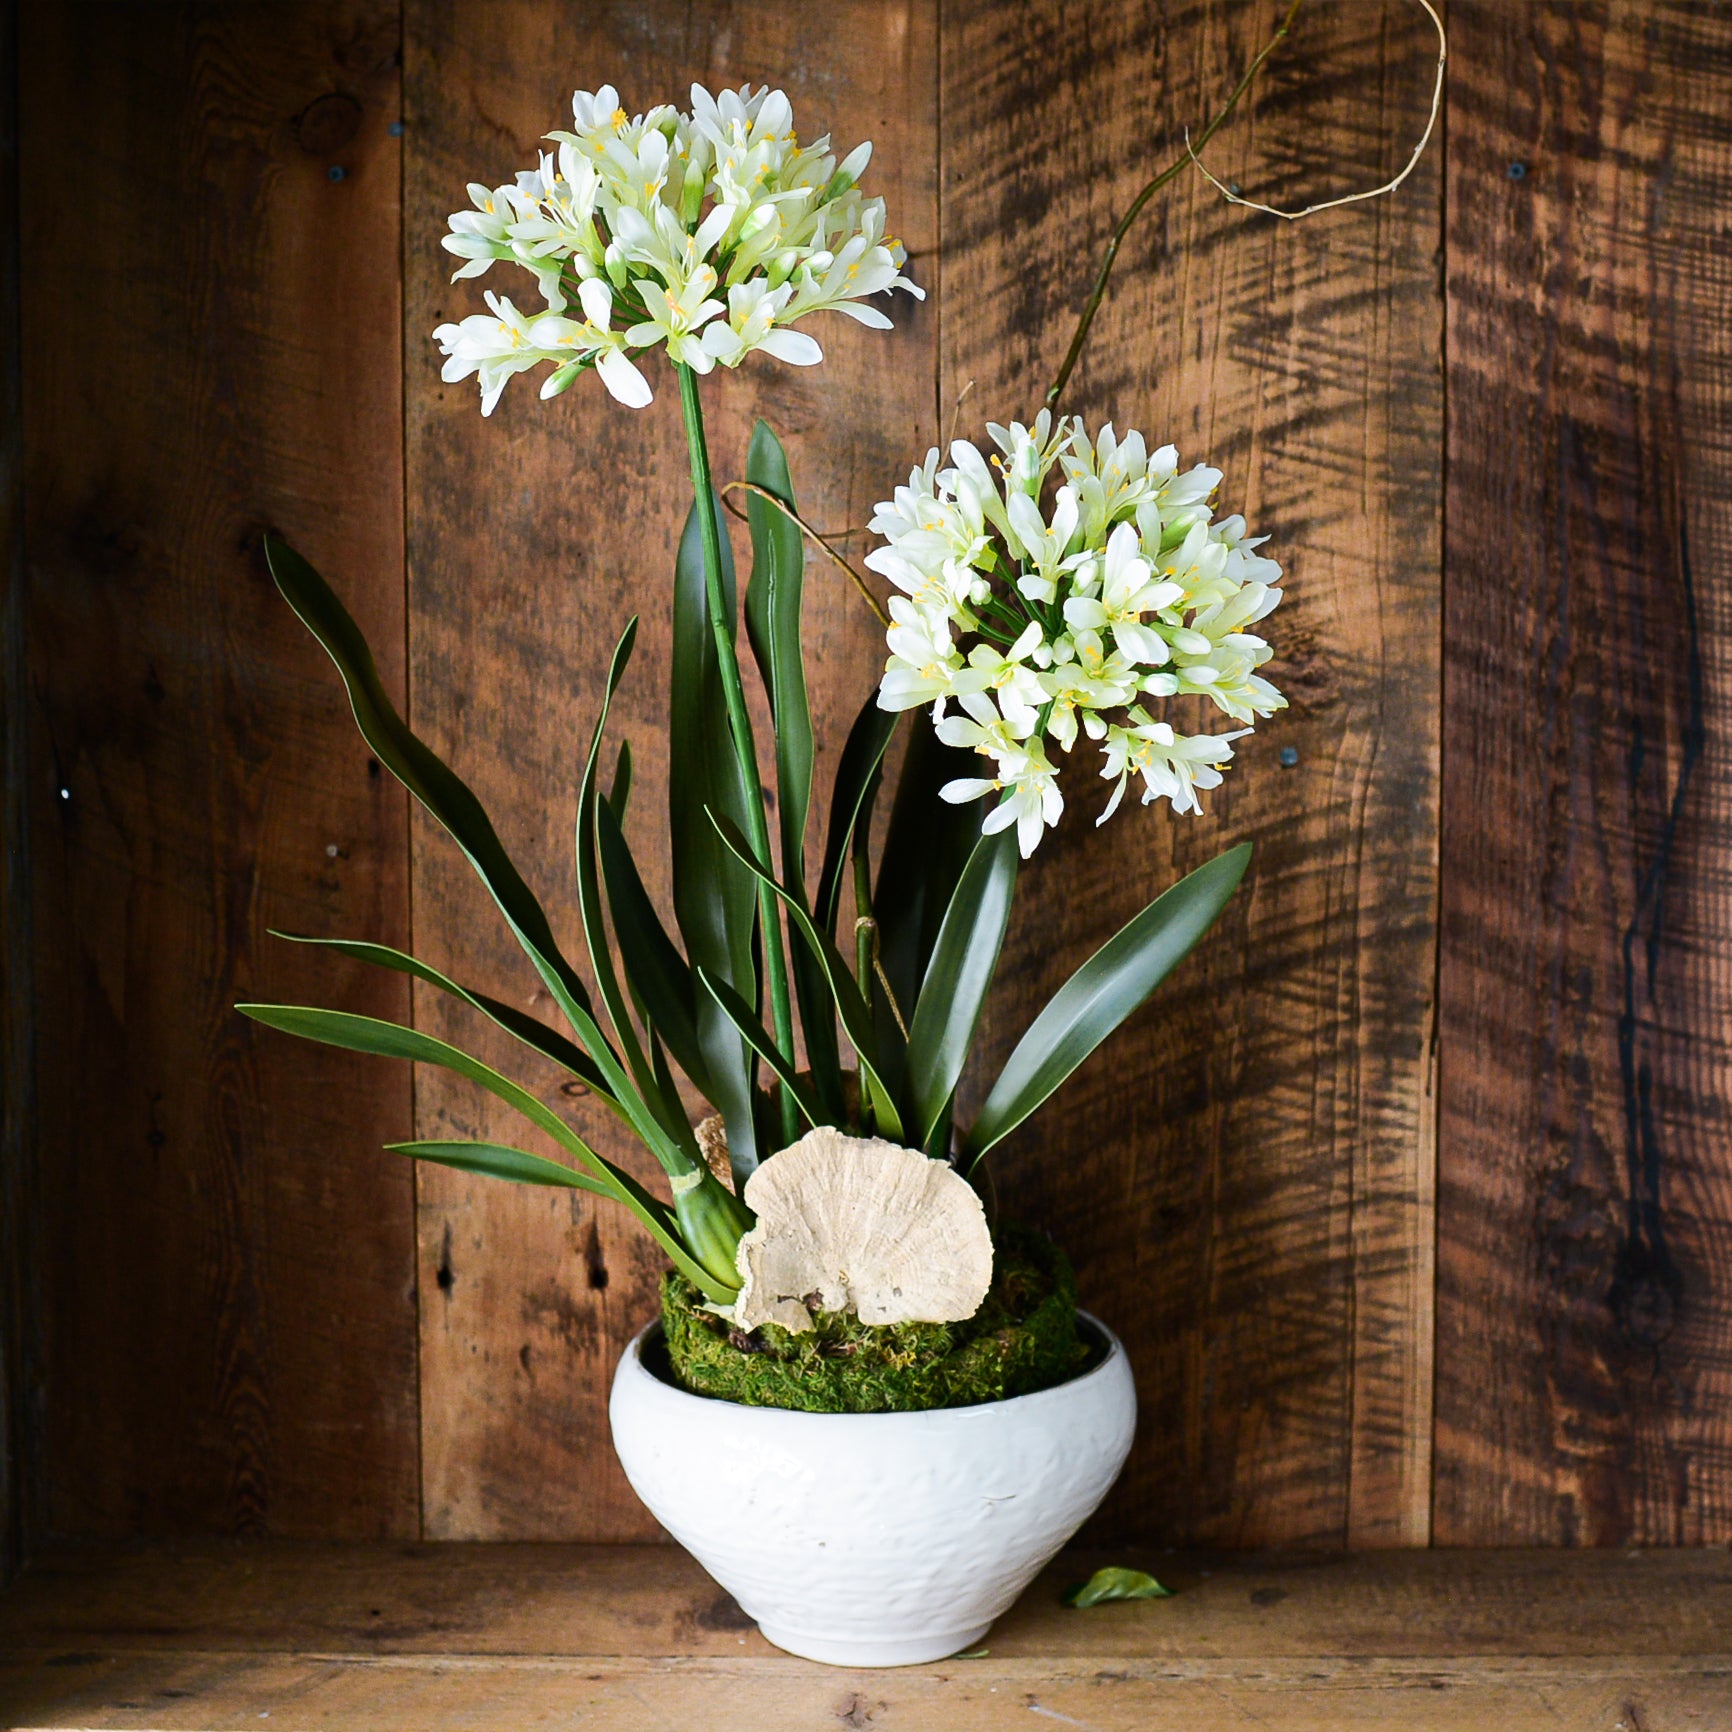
1064,585
712,233
1040,619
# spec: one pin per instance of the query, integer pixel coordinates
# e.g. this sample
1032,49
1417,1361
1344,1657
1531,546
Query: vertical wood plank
20,1370
532,538
229,1259
1244,1177
1585,1183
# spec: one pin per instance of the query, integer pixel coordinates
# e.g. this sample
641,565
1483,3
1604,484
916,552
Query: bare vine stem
1189,158
1293,216
1168,174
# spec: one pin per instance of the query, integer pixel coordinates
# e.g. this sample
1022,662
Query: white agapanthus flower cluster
712,232
1040,617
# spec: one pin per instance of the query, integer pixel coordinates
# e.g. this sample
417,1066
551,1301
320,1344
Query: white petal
794,347
1028,831
713,227
1141,643
624,382
723,342
854,163
597,300
865,314
957,731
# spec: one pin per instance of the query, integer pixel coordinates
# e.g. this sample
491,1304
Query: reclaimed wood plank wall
1412,1196
1585,1183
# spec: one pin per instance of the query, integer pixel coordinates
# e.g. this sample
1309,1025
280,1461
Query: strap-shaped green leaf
851,800
500,1161
773,599
619,794
773,617
659,1119
818,1020
392,1040
926,845
424,774
549,1042
850,1006
758,1037
1102,993
654,968
957,978
715,897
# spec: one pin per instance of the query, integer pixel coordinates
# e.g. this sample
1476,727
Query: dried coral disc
859,1224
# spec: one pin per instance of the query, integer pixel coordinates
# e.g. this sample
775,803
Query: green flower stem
864,927
712,1222
865,953
739,724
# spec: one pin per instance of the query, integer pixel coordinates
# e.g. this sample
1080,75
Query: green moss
1023,1338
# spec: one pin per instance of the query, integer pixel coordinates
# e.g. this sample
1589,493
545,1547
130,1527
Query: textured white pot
873,1539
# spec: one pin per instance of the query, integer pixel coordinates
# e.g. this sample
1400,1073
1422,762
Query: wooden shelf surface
286,1637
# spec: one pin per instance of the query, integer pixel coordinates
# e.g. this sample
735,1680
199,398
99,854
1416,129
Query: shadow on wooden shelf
436,1636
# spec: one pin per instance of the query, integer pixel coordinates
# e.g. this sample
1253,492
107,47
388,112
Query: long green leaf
758,1038
1102,993
850,1006
656,1116
500,1161
654,968
715,897
773,616
957,978
549,1042
926,845
589,902
857,772
773,597
425,775
620,792
392,1040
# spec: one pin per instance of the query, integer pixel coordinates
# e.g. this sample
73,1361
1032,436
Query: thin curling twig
956,408
787,511
1292,216
1167,174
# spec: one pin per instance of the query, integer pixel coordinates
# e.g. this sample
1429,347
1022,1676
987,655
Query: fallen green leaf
1115,1584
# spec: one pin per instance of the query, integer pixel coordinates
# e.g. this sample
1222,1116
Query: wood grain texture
1244,1177
20,1360
1585,1188
533,536
570,1600
328,1693
228,1262
613,1636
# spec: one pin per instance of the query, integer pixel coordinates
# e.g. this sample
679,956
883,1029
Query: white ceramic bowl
874,1539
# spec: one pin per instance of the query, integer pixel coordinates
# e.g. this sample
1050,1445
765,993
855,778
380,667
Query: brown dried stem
1138,204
